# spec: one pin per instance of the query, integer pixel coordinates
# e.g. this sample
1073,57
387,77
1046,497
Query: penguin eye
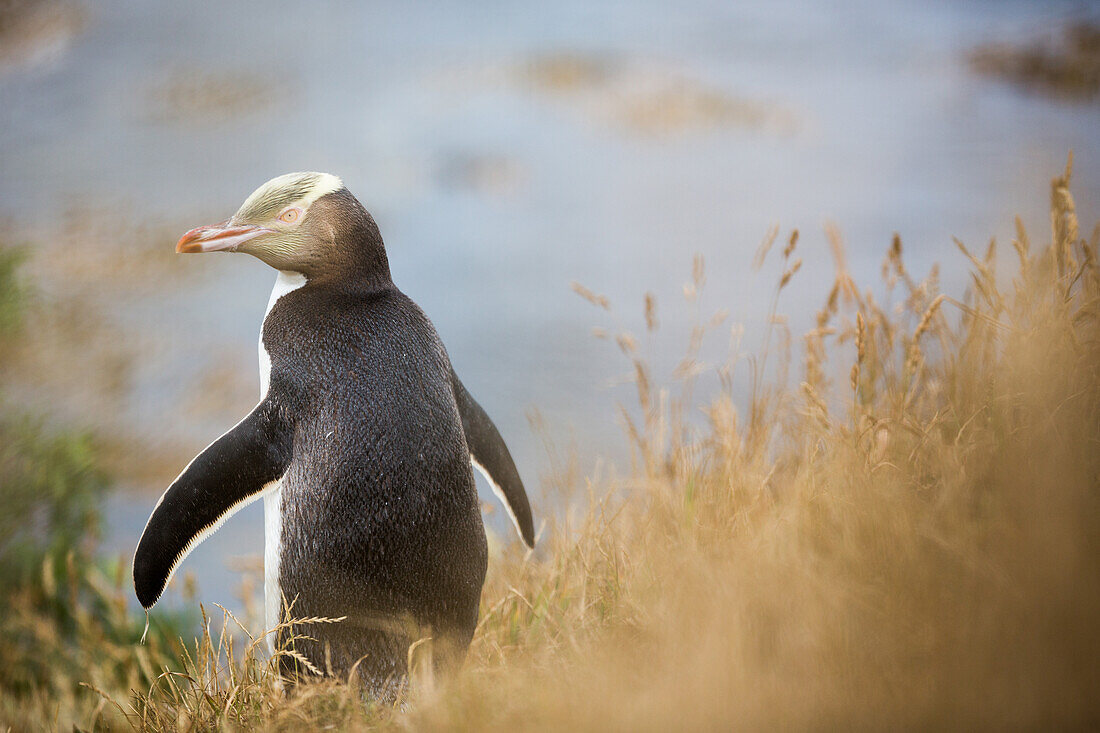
290,215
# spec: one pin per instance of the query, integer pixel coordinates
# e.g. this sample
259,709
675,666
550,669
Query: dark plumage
369,434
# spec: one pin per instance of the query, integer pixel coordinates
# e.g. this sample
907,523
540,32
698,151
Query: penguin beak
218,237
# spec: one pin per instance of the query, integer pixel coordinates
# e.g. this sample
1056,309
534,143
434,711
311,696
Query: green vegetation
64,623
12,292
912,545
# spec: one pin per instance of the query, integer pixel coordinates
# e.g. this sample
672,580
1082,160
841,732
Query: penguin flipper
231,472
490,455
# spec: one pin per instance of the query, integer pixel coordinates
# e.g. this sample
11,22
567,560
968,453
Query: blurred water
506,150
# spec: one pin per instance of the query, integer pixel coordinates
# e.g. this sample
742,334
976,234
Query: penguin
362,446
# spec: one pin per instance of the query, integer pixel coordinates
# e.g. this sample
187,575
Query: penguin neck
285,282
361,274
354,257
367,267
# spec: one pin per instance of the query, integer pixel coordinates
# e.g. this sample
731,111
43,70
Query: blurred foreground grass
913,545
64,622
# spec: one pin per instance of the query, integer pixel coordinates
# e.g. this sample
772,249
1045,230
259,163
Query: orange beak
218,237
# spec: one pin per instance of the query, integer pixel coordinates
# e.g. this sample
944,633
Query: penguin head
300,222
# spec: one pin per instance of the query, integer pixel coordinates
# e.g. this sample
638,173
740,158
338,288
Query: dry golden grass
916,546
913,544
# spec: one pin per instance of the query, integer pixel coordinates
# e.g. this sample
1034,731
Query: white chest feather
273,517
